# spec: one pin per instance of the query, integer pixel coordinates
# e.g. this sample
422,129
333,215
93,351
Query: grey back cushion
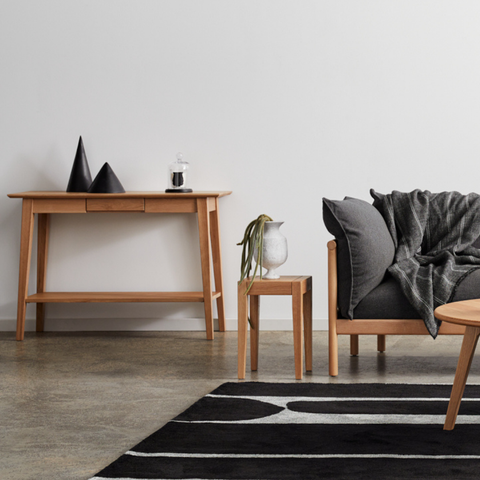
364,249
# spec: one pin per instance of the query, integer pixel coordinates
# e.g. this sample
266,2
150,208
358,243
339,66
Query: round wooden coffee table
466,313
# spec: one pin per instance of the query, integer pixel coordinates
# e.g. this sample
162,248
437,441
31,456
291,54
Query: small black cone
80,177
106,182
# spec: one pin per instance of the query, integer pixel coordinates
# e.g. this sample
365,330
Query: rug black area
312,431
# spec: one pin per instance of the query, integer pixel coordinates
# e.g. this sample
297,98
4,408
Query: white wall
281,101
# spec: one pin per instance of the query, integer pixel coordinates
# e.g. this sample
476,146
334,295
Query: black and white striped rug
306,431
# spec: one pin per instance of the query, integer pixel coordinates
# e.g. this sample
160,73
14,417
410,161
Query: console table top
159,194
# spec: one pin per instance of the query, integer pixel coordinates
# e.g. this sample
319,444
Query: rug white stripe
304,455
138,478
290,417
284,401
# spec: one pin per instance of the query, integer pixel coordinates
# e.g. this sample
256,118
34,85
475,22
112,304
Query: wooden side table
300,288
466,312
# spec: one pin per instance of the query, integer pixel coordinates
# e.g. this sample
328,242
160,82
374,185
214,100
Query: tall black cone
106,182
80,177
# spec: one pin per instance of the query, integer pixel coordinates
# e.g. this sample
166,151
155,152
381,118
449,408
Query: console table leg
25,256
467,351
42,255
297,307
217,265
204,233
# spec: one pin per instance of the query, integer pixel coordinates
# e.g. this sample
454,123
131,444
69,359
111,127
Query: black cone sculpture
80,177
106,182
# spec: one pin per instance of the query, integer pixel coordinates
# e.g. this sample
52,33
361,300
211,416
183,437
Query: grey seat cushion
385,301
365,249
469,288
388,301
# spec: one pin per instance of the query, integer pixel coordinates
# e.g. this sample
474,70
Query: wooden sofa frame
354,328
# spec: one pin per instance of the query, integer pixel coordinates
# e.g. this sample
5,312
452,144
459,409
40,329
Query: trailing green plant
252,240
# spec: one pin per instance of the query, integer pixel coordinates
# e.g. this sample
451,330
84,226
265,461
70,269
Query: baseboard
138,324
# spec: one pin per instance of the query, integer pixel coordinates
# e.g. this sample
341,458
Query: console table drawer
170,205
48,205
115,205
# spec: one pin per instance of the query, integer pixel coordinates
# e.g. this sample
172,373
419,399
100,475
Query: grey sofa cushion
385,301
388,301
364,249
469,287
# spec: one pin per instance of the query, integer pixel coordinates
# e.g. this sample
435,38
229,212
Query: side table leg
467,351
42,255
242,329
25,257
297,307
254,330
217,265
204,234
308,327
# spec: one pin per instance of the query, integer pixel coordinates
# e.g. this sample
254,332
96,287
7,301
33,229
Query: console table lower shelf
114,297
117,297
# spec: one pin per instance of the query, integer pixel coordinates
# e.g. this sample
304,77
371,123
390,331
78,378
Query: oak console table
204,204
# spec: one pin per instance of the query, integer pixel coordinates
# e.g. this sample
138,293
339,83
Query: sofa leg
354,345
381,343
332,354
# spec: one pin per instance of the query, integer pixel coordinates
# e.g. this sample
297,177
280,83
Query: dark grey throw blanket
433,235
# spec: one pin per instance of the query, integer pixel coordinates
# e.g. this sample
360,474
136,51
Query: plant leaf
253,238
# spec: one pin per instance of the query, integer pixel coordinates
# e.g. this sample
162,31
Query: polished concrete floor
71,403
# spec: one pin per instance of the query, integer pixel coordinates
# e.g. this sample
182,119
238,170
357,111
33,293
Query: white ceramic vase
275,249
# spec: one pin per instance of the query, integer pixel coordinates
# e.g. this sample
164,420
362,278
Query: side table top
465,312
64,195
278,286
282,279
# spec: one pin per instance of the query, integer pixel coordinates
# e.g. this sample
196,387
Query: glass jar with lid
177,180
